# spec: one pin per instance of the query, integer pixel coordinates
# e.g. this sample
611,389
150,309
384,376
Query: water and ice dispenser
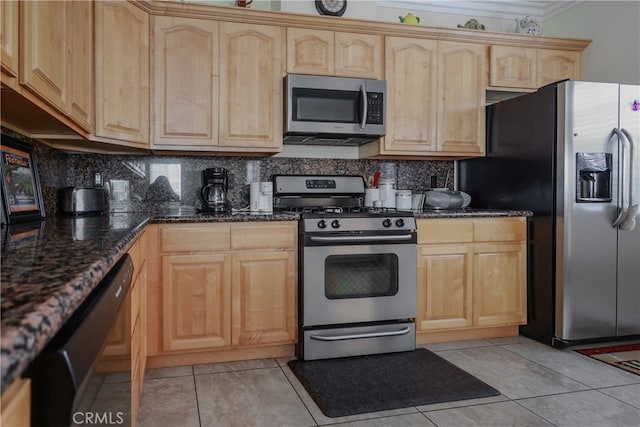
593,178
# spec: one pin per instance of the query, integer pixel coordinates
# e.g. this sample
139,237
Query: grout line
195,387
550,369
298,394
532,412
615,398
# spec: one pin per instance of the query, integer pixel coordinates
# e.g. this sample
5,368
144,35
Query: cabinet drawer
205,237
445,231
500,230
264,236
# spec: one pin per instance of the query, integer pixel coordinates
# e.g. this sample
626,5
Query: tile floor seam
534,413
195,386
466,406
548,368
555,394
298,394
613,397
234,370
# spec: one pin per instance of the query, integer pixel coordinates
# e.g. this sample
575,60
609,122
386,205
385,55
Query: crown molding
491,9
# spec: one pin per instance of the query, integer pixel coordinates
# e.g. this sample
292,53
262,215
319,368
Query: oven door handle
359,238
403,331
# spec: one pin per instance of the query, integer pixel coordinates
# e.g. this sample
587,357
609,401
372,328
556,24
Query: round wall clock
331,7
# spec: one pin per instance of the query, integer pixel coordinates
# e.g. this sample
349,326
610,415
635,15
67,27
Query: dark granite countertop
49,268
471,213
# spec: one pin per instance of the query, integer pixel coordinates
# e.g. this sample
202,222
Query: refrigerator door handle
632,210
623,144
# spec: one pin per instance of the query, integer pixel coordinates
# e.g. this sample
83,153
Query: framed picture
21,192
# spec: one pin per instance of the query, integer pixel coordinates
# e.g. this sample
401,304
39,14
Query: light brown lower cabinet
233,293
16,404
471,278
125,350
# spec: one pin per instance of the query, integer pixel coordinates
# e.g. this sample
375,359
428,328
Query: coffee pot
214,191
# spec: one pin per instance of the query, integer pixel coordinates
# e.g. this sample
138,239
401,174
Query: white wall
370,9
613,27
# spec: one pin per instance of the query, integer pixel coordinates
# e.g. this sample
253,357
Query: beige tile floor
539,385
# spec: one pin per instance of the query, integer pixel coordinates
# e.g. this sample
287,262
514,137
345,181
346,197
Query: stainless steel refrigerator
569,152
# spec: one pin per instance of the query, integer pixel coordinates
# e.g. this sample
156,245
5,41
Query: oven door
351,282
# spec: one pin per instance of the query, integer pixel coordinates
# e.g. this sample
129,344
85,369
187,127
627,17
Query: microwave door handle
363,107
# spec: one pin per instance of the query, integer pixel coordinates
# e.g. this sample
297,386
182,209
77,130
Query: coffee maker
215,183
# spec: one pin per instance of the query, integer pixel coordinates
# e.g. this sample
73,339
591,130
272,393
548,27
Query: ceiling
492,9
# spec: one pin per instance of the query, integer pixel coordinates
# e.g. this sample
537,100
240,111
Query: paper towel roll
254,197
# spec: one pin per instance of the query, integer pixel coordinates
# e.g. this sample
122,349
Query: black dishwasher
63,376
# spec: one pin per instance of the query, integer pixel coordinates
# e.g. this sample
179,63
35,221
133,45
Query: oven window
360,276
323,105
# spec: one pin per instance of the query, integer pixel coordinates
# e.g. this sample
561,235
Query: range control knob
386,223
400,222
322,224
335,223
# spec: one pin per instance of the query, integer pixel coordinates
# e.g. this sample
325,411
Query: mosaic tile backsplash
151,183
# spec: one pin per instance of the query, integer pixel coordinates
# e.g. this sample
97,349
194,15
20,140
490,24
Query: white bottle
387,193
403,200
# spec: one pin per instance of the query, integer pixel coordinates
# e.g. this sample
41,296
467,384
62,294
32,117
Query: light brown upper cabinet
122,72
435,98
554,65
512,67
462,81
251,72
184,89
81,59
412,86
56,55
310,52
528,68
45,33
9,38
329,53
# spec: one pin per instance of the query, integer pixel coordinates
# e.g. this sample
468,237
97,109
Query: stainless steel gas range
357,274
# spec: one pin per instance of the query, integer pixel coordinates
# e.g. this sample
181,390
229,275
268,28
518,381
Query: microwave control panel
375,108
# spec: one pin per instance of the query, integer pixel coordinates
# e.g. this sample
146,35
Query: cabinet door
45,31
119,340
310,51
358,55
196,299
81,64
444,287
251,72
185,82
513,67
499,280
122,71
462,84
16,404
554,65
410,70
264,298
9,37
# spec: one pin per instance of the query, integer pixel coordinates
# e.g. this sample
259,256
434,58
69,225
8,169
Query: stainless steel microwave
323,110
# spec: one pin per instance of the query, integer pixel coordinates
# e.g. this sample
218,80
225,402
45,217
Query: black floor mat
355,385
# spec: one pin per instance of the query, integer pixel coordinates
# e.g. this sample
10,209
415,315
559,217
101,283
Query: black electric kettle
214,191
